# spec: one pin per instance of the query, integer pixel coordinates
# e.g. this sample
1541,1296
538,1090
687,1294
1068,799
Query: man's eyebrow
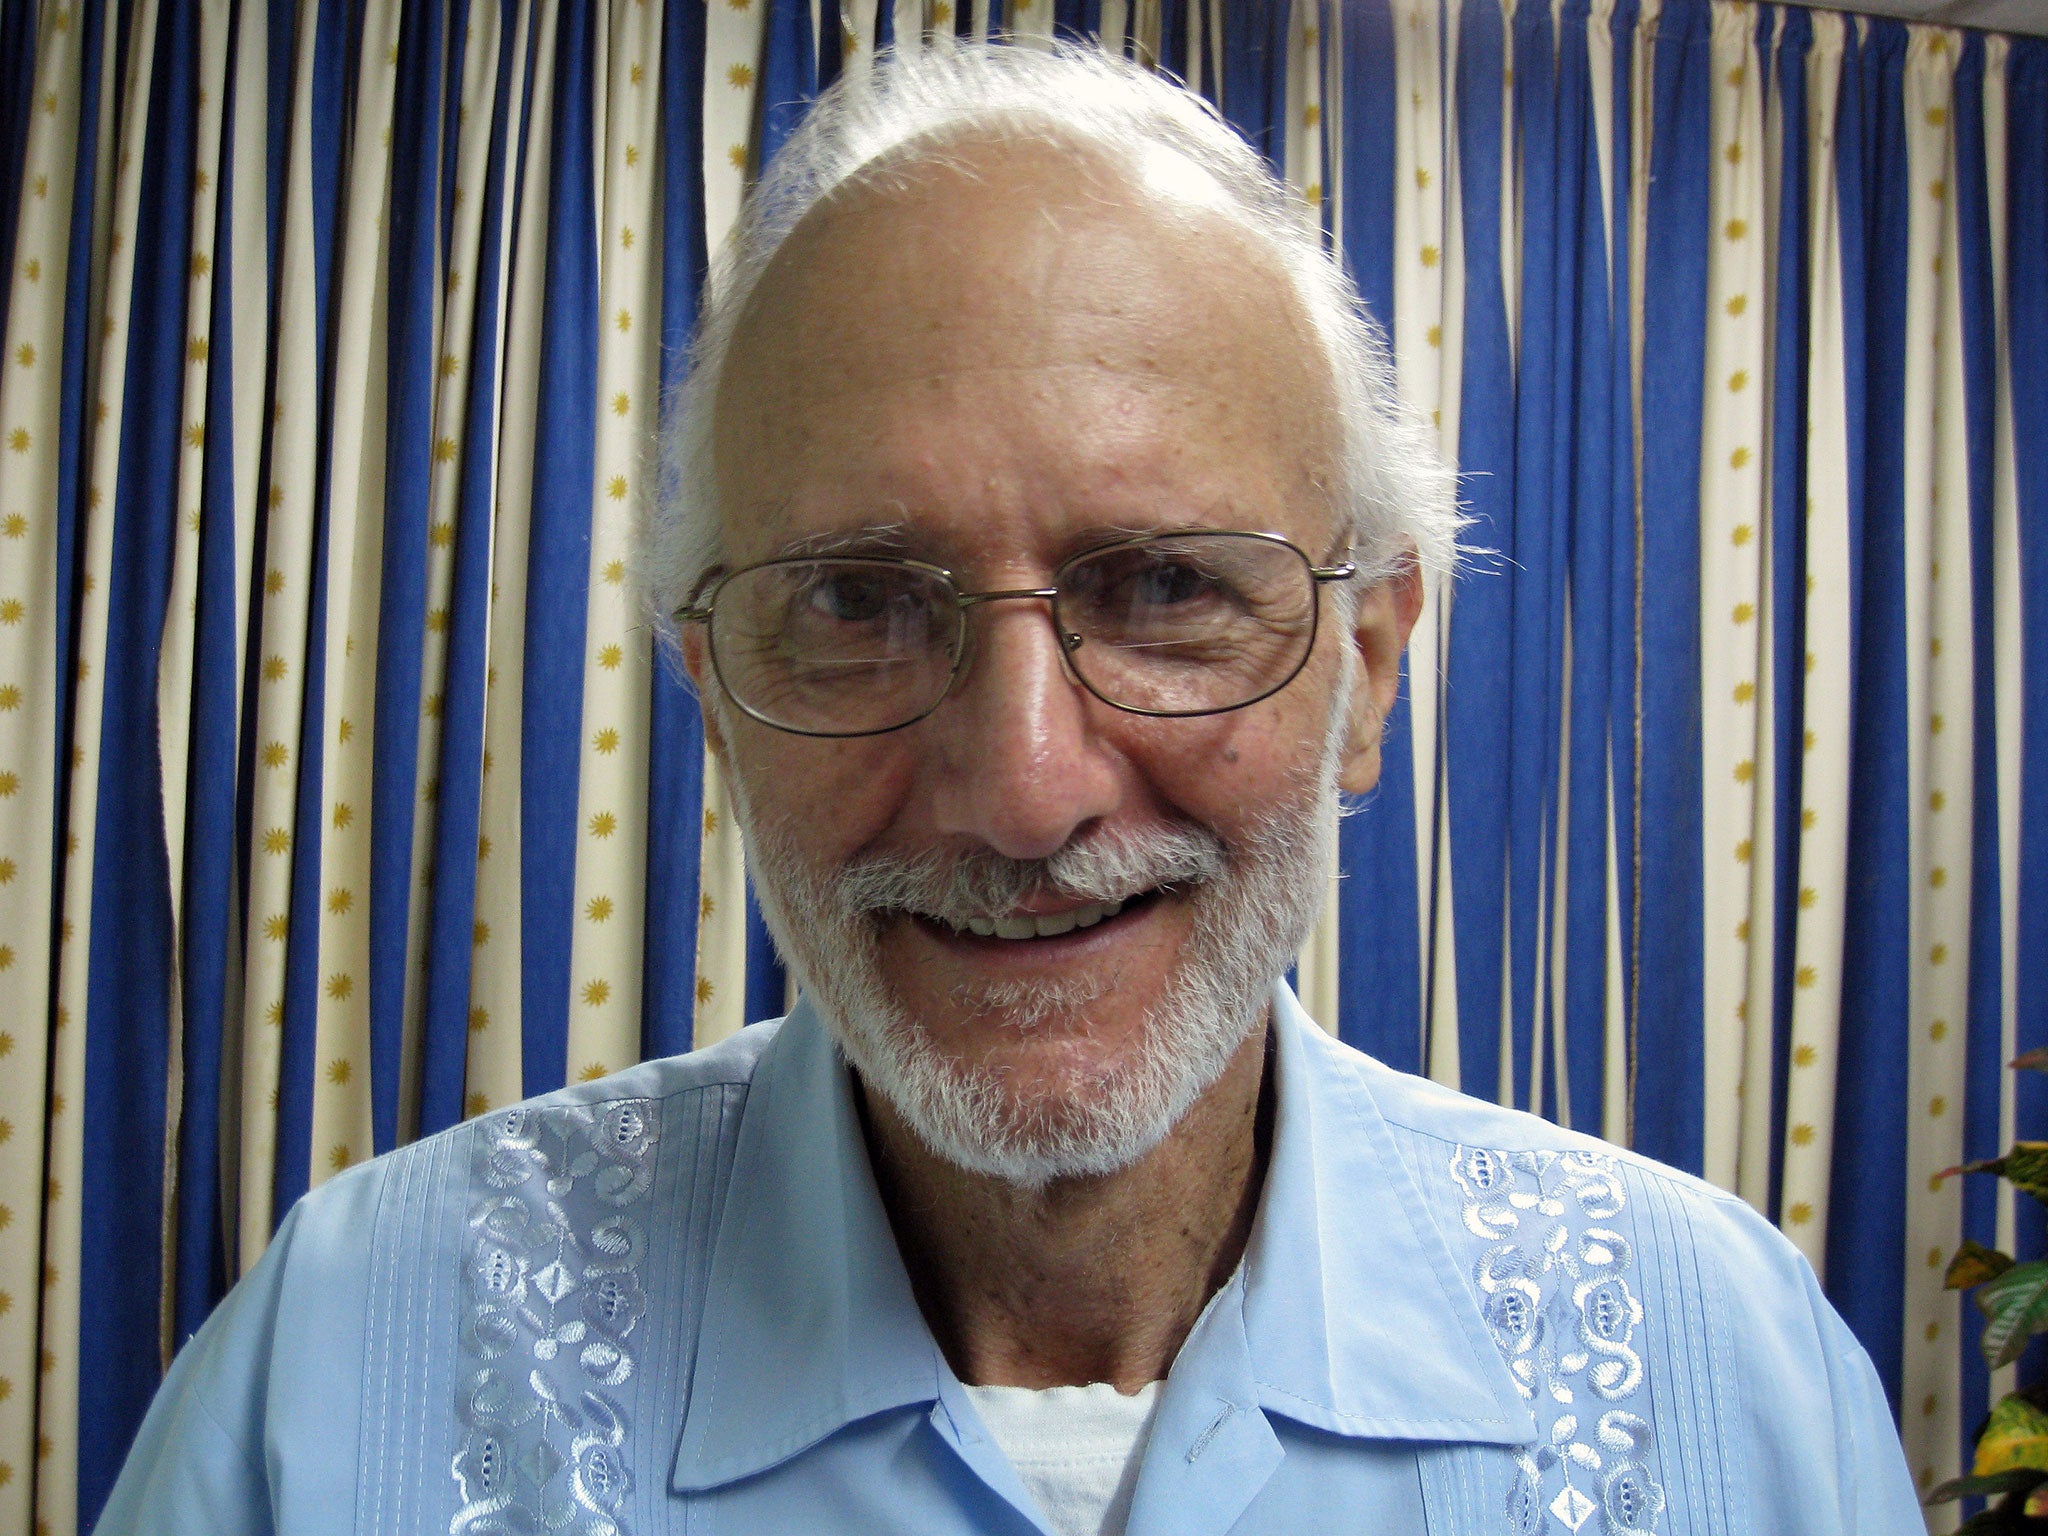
870,539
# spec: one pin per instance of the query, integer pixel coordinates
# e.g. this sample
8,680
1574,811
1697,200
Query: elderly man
1043,538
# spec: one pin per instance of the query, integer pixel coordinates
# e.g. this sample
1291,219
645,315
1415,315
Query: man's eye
1168,583
1158,585
852,599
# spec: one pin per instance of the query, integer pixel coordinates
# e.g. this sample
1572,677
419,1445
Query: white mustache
980,884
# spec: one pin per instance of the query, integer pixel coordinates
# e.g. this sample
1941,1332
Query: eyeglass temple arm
1342,572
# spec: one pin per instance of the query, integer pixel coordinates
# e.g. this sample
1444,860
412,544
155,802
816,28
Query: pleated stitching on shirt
657,1392
379,1323
406,1411
432,1255
1706,1347
1436,1493
679,1325
1695,1347
1453,1496
407,1336
371,1481
1733,1516
711,1172
1673,1390
1474,1466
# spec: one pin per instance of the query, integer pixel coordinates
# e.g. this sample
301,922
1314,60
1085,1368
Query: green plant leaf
1987,1165
1974,1264
2035,1060
2014,1439
2026,1166
2015,1308
1977,1486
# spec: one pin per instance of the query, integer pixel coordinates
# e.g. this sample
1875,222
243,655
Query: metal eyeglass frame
699,609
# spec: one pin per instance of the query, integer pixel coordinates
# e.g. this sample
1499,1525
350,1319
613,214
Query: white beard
1252,906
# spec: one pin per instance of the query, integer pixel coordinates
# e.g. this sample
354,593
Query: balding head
1046,274
1104,131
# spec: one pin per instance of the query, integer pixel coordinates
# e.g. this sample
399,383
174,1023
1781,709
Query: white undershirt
1076,1449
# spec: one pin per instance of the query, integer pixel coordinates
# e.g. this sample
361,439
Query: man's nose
1020,766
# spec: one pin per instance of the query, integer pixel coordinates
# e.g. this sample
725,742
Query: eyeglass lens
1191,624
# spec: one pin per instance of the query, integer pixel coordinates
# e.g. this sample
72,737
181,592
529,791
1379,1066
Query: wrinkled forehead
1045,273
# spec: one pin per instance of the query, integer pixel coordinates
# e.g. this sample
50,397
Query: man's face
992,365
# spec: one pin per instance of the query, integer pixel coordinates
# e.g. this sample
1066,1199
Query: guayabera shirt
670,1302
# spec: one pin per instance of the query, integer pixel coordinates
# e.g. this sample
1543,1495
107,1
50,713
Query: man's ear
1379,631
697,664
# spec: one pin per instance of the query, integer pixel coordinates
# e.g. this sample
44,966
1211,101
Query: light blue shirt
671,1302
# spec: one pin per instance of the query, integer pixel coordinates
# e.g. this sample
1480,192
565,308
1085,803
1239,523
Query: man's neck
1097,1279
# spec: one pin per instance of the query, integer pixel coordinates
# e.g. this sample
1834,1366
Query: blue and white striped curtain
342,797
1721,766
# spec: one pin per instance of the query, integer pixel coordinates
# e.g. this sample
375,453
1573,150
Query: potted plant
2011,1465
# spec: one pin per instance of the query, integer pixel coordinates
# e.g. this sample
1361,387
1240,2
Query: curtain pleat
1376,992
459,537
675,743
2003,613
1867,1203
199,688
2026,341
103,1225
1667,1100
496,1055
1477,652
1813,1029
1587,481
564,474
1979,1056
412,576
1736,630
608,911
1774,931
54,128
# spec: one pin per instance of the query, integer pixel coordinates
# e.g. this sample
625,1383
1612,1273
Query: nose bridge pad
1060,641
965,664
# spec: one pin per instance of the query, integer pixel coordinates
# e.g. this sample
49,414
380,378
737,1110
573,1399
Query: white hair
1394,494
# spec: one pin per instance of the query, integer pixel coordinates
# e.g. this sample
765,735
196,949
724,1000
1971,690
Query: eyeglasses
1175,624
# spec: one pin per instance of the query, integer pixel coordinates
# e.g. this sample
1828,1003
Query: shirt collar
1355,1318
809,1321
1357,1315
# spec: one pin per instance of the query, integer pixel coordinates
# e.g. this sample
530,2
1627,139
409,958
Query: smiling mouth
1024,926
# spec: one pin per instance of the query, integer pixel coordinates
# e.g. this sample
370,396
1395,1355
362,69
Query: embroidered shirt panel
1551,1260
555,1239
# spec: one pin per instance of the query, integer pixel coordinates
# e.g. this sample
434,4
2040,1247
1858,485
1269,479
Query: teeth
1029,927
